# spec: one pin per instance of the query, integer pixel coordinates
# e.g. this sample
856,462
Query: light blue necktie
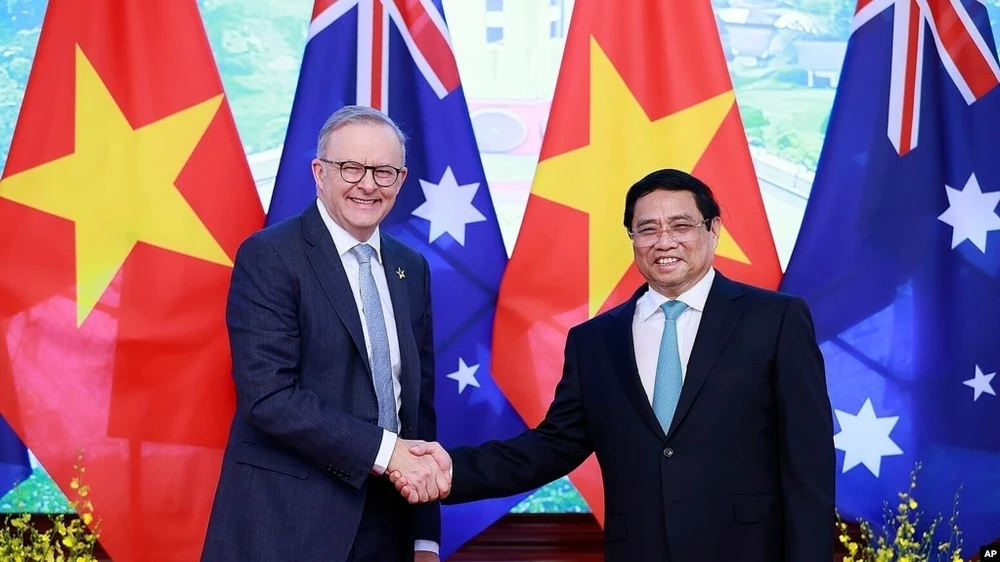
381,366
667,388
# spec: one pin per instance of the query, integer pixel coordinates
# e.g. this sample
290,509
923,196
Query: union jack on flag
959,43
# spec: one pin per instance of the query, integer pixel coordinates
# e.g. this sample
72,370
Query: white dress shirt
647,328
344,242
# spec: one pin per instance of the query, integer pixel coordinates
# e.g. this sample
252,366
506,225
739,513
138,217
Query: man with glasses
705,401
330,328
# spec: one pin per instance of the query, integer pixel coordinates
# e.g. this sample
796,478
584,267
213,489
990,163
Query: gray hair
357,114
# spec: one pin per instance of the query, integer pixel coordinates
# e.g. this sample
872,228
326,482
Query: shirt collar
343,239
695,297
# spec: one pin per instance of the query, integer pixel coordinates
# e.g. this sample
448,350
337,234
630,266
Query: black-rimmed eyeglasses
353,172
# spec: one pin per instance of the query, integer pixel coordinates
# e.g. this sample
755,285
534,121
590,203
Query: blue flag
899,260
400,60
14,464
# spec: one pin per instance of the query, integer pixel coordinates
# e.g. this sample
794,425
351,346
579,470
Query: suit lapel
621,346
324,258
722,311
409,356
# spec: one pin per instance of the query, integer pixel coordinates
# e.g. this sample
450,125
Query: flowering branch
898,540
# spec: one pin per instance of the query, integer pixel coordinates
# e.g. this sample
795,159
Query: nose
367,182
665,241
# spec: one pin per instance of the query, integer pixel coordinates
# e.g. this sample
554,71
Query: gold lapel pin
400,272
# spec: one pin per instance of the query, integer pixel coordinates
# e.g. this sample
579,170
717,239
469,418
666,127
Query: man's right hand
425,478
425,450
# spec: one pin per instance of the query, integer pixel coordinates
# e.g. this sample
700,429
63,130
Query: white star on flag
971,214
448,206
980,383
864,438
465,375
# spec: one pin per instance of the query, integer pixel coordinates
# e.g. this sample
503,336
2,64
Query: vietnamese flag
124,199
643,86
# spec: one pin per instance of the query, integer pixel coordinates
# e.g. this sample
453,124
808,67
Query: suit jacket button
668,452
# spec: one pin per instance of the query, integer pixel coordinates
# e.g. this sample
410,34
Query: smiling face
672,267
358,207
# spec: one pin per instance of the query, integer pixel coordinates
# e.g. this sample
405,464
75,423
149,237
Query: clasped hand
420,470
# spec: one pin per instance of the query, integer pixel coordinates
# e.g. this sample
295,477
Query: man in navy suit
704,399
330,327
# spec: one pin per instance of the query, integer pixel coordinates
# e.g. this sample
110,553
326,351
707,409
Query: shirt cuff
384,452
429,546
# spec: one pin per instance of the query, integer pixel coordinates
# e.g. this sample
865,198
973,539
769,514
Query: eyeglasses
353,172
680,232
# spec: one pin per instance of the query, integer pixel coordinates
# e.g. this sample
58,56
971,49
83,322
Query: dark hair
672,180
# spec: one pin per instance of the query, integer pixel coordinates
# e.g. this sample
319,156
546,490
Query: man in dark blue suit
704,399
330,327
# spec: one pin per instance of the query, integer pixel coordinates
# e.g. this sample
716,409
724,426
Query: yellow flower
87,518
74,483
913,503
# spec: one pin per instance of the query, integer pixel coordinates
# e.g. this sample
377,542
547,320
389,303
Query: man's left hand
425,556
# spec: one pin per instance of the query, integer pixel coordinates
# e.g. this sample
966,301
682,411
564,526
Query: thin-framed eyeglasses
680,232
383,175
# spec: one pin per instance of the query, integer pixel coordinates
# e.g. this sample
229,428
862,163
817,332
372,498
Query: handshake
421,471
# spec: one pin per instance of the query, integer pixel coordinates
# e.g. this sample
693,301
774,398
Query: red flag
643,86
125,196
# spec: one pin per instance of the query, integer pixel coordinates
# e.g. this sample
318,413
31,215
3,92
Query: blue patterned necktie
667,388
379,339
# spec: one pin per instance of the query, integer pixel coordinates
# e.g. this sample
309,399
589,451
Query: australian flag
397,56
899,259
14,464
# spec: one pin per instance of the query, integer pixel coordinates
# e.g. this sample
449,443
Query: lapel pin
400,272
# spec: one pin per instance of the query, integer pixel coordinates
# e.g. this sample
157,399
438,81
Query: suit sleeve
427,517
805,422
262,316
552,450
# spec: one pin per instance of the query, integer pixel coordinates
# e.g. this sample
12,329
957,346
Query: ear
402,176
319,172
716,232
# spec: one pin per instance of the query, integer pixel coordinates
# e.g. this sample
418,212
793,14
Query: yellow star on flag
625,146
118,186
